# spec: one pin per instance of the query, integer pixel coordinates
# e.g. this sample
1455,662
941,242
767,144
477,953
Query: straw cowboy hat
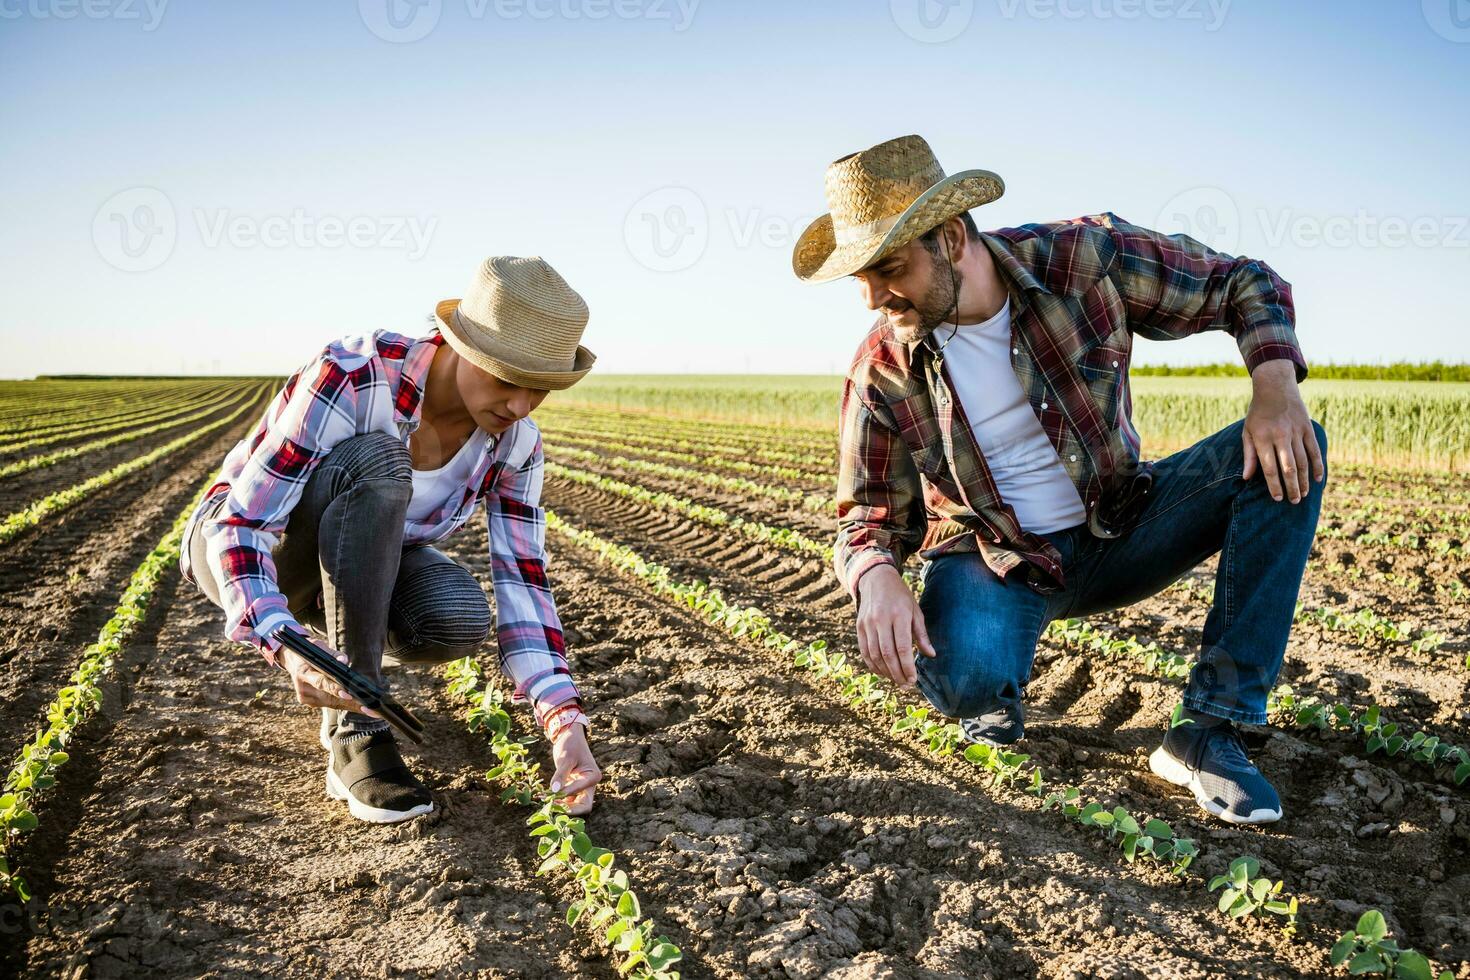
521,322
882,199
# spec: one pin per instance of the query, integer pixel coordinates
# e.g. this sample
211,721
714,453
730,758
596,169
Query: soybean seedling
1246,894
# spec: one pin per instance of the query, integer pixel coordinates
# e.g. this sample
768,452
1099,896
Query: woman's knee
372,456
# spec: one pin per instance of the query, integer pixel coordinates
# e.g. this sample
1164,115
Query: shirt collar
1018,279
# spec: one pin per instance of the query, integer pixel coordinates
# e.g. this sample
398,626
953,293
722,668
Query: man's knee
972,684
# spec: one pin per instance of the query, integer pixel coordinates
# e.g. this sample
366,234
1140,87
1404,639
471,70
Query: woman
378,448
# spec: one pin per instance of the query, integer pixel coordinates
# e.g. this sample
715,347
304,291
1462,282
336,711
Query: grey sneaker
1003,726
1209,758
366,770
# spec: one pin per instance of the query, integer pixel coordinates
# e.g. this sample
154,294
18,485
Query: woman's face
494,404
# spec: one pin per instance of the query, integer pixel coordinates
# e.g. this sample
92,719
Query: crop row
16,523
815,462
819,448
1147,839
608,904
1443,540
156,411
86,407
730,484
130,435
705,460
1365,948
35,768
1364,624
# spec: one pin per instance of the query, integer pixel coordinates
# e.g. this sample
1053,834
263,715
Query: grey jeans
343,568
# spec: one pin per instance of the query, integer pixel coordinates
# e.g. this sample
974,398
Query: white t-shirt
1028,473
431,488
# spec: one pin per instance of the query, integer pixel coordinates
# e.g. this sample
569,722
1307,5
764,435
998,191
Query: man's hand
576,771
890,625
313,688
1278,434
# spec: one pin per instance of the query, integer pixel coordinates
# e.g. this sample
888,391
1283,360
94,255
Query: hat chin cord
954,285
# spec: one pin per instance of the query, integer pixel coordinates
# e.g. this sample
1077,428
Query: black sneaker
1209,757
1003,726
366,770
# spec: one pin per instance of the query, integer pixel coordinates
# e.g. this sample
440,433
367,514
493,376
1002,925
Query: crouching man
379,447
986,425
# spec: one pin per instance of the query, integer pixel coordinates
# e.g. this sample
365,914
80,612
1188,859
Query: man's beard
934,307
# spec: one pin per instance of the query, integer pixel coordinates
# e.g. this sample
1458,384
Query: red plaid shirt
912,478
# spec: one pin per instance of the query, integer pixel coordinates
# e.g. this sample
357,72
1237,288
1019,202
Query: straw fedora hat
881,199
521,322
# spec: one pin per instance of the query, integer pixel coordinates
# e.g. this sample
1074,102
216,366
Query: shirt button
1043,406
1115,364
1015,350
1073,457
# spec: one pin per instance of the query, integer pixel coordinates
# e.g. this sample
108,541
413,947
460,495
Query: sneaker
1209,758
1003,726
366,770
329,725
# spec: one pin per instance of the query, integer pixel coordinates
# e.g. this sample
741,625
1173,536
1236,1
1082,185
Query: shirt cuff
266,642
862,564
1259,354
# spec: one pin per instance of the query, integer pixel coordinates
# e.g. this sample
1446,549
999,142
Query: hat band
869,229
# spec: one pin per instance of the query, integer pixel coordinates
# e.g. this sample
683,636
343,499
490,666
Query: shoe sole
365,813
1168,768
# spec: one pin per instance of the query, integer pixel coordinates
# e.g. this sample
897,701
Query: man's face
496,405
913,287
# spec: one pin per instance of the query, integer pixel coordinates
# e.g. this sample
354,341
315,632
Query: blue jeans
985,629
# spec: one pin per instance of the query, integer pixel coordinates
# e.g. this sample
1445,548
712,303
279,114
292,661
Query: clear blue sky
204,187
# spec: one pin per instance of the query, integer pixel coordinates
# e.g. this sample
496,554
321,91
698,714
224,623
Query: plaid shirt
911,475
376,384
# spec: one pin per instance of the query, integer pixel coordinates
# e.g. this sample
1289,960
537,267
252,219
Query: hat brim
508,365
818,258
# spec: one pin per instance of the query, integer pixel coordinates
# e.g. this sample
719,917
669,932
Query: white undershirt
1028,473
432,488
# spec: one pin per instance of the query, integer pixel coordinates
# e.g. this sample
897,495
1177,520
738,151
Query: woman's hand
315,689
576,771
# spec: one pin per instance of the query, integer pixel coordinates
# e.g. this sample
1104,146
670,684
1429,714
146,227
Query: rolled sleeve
528,628
1174,287
880,510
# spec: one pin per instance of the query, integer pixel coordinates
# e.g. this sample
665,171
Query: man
986,425
379,447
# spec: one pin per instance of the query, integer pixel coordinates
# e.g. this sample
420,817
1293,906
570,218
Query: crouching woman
378,448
